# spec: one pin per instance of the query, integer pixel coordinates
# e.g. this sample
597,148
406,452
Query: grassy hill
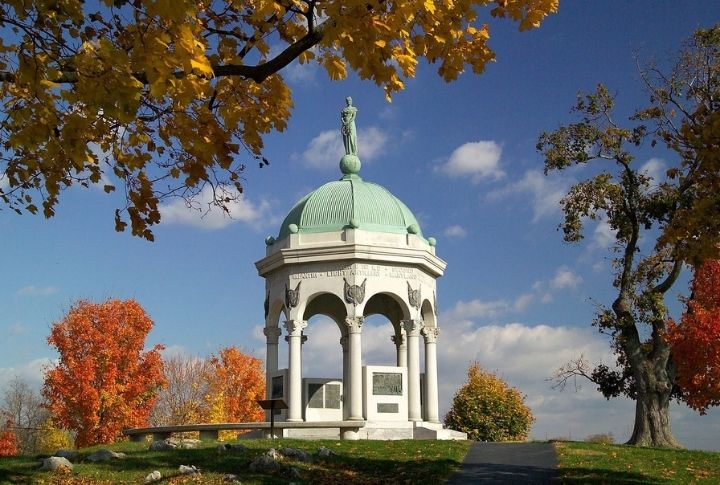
361,462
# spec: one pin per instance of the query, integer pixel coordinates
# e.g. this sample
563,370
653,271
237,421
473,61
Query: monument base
372,430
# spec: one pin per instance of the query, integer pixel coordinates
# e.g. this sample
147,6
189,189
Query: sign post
271,405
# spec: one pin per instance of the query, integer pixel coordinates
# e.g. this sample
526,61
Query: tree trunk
652,410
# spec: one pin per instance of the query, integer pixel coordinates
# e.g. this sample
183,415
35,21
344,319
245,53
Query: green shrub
487,409
601,438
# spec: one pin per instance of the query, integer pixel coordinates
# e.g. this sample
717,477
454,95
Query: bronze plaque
386,407
315,396
387,384
277,387
332,396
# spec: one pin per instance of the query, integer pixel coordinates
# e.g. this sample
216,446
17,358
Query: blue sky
460,155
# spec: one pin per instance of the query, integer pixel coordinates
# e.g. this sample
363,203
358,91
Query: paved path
507,463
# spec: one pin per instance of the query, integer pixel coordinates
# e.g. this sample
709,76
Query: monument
348,250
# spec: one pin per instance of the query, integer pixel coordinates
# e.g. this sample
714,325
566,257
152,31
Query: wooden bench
210,431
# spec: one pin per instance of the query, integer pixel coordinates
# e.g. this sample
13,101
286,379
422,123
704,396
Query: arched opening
385,344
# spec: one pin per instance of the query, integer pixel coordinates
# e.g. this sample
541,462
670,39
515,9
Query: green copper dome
350,202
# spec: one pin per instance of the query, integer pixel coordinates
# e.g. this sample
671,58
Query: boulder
188,470
274,454
230,478
153,477
104,455
296,454
187,443
163,445
55,463
265,464
325,452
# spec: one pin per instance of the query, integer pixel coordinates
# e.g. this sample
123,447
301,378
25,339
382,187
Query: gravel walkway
507,463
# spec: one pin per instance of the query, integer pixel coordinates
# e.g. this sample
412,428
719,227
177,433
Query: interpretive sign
387,384
277,387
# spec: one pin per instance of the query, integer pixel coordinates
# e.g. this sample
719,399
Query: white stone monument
347,250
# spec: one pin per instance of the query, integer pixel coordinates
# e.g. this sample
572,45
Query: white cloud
565,278
488,309
480,160
31,372
201,214
654,168
32,290
604,236
545,192
455,232
326,149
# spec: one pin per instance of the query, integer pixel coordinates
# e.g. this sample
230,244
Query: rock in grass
188,443
71,455
294,472
188,470
104,455
222,448
265,464
55,463
230,478
296,454
153,477
274,454
163,445
325,452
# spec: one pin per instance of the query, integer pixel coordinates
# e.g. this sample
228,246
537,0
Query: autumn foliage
695,342
104,381
165,97
487,409
8,440
237,382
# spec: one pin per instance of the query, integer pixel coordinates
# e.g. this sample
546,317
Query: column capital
412,327
354,324
272,334
344,342
399,340
430,334
294,328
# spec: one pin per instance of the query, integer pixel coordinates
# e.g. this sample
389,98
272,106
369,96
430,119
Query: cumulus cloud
241,210
603,236
488,309
544,192
455,232
480,160
565,278
326,149
32,290
31,372
654,168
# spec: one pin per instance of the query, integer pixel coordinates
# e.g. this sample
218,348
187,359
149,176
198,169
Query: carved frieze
353,293
292,297
414,297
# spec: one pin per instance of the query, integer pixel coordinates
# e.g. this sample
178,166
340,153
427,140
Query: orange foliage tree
695,342
8,440
237,381
104,380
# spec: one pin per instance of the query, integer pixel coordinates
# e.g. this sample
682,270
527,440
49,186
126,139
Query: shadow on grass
383,468
603,476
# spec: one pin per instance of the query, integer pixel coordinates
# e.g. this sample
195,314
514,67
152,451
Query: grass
591,463
361,462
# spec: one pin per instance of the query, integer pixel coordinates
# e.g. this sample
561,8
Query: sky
462,157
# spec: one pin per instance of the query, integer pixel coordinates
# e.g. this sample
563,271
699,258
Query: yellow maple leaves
171,90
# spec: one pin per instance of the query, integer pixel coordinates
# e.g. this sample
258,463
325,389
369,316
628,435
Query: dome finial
350,163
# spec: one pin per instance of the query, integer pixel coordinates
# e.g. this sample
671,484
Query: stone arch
328,304
275,309
389,305
428,314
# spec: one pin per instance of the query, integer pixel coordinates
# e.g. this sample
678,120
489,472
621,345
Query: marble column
401,348
294,329
346,375
431,384
412,331
272,334
355,403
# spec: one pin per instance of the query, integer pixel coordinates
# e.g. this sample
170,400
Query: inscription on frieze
363,270
387,384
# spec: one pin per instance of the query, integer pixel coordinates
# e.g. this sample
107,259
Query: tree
8,440
183,399
695,342
104,381
165,94
236,383
487,409
50,438
25,408
635,206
